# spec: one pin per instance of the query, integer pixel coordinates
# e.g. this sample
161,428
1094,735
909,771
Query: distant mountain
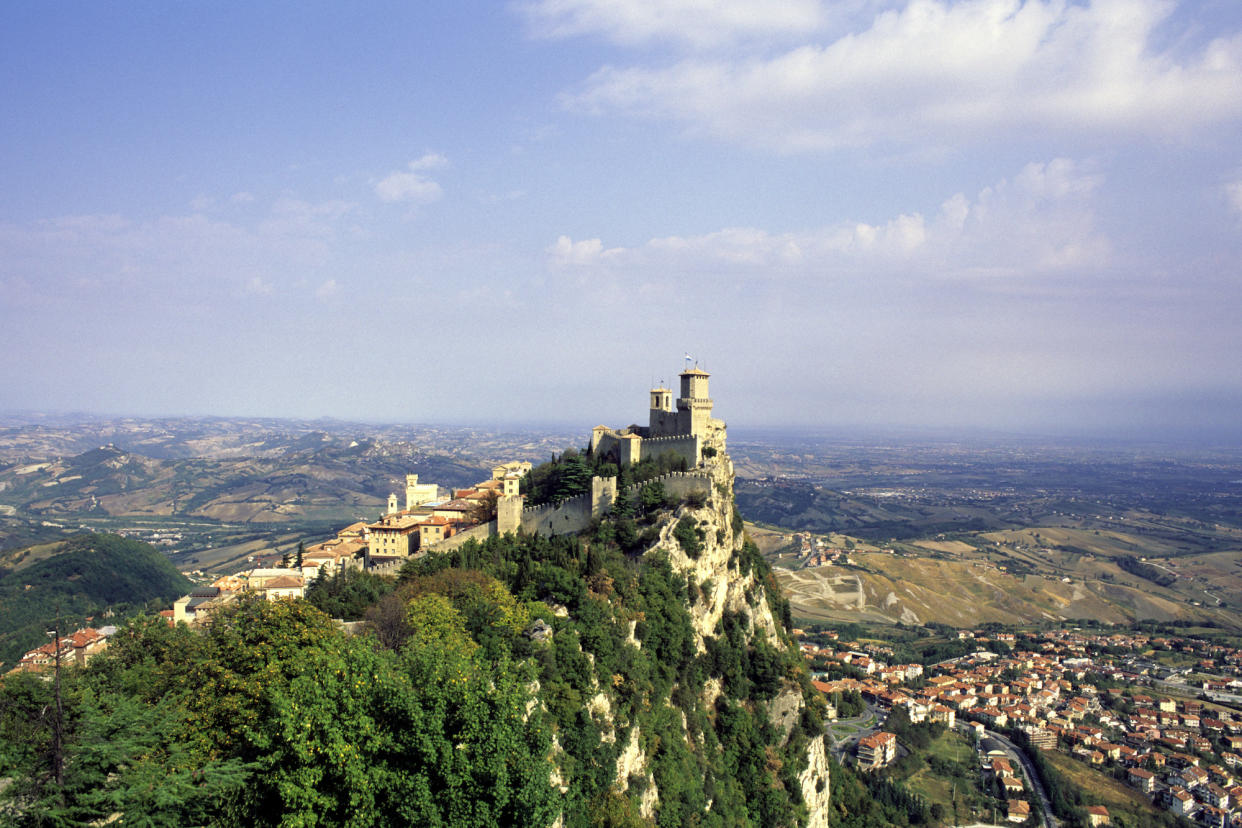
83,576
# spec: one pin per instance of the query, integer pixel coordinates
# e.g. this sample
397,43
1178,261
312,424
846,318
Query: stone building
687,430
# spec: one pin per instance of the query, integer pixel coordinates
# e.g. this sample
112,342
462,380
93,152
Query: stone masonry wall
568,516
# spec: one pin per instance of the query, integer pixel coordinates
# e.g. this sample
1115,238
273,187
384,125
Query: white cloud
568,253
202,203
1233,191
694,22
170,261
1040,223
941,72
411,184
257,286
242,197
326,290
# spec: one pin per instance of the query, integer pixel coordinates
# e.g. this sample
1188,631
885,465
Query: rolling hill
86,575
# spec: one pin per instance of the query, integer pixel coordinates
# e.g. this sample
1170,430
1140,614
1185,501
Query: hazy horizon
1226,438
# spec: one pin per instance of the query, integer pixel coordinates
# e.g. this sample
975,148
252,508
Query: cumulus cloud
1039,222
939,71
566,252
412,184
694,22
326,290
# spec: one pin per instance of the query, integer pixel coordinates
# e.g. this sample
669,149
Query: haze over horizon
1009,215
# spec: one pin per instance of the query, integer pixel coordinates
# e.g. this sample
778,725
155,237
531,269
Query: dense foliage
866,800
1142,569
487,677
607,596
88,575
270,716
348,593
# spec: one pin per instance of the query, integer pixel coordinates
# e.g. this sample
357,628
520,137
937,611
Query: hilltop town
429,523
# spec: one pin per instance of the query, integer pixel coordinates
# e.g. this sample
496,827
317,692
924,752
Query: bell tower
661,420
694,406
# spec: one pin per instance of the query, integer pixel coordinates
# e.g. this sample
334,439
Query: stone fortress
431,524
688,431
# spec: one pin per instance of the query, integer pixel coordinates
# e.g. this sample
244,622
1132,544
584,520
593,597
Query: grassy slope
973,590
1120,799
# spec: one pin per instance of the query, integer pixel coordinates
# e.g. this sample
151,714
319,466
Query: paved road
1036,785
844,732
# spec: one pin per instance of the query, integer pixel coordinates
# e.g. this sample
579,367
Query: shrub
689,537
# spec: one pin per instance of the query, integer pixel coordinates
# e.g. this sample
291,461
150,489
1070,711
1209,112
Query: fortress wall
679,484
388,567
686,446
480,533
572,515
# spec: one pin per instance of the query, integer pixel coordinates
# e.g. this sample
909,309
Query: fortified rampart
678,484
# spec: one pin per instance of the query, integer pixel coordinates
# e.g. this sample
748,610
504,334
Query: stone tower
416,494
694,406
662,419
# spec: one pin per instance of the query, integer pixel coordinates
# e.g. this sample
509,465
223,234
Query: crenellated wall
566,517
679,484
480,533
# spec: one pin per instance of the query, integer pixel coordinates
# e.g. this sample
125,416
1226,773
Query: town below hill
1087,726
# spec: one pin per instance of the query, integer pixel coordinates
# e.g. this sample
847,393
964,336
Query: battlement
667,438
585,497
678,484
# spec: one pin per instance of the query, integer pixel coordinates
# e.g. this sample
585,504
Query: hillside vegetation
83,576
639,674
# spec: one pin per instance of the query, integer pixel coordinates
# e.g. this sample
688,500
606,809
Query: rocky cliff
747,663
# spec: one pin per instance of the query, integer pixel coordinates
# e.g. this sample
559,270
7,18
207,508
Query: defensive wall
678,484
571,515
683,445
630,448
480,533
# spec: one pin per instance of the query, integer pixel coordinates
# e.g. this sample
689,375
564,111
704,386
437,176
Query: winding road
1037,785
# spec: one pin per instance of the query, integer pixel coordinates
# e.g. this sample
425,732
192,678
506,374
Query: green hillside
83,576
637,674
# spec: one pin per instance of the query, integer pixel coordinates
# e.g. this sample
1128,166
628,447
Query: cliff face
656,647
732,597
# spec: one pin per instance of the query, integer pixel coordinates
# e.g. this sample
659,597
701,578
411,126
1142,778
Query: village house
876,750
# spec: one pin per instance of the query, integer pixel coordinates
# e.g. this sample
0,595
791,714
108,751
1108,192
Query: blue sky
994,214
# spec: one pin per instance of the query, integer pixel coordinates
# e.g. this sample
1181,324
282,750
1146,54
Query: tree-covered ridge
88,575
504,682
625,635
